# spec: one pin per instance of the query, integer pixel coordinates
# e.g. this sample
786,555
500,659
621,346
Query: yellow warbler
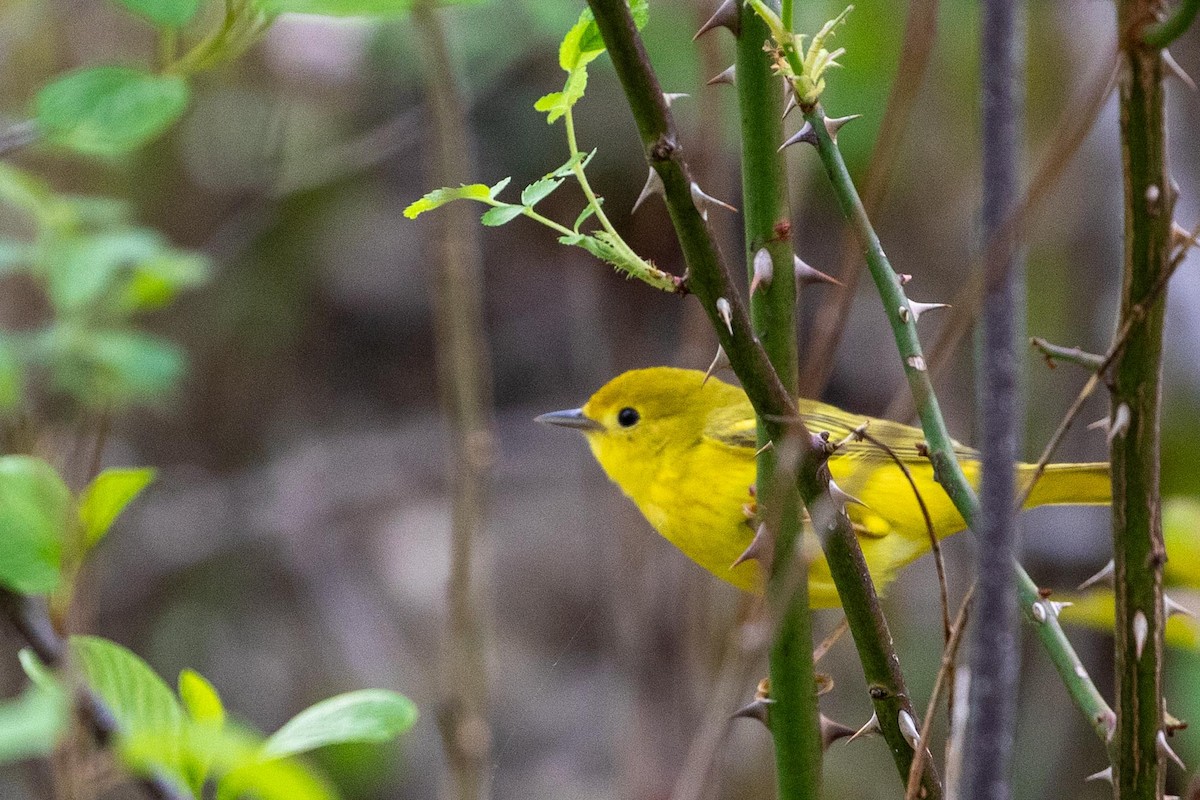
682,449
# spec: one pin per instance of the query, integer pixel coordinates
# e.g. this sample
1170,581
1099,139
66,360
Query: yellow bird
683,449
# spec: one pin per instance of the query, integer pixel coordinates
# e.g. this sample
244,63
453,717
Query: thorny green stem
465,389
1161,34
946,467
795,726
1138,550
709,280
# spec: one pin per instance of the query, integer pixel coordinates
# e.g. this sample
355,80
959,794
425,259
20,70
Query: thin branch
465,389
920,34
941,452
949,654
1071,355
32,621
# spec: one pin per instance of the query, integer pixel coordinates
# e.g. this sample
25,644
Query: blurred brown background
296,542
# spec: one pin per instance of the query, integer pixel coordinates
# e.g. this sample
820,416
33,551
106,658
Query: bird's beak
571,418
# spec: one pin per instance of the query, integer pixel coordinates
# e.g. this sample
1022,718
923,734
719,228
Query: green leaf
142,704
26,193
106,497
537,191
577,160
34,509
501,215
108,111
370,715
113,367
80,270
200,698
32,724
439,197
494,191
588,210
159,280
164,13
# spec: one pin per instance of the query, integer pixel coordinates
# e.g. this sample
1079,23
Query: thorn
870,727
720,361
764,270
834,124
1171,608
805,134
1109,719
1044,609
728,76
759,550
758,709
768,446
726,16
920,308
1166,750
1173,66
671,97
916,362
1105,575
790,106
1103,775
1099,425
831,731
904,278
1181,237
1141,628
702,201
842,498
726,313
908,727
654,185
1172,723
1120,423
806,274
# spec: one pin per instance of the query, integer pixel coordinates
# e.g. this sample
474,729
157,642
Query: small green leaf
200,698
578,160
32,724
106,497
588,210
499,187
164,13
501,215
80,270
34,508
338,8
142,704
537,191
439,197
26,192
108,111
113,367
369,715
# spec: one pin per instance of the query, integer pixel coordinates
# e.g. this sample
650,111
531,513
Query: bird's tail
1069,484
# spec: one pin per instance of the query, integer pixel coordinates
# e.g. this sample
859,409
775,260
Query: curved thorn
764,270
726,313
908,727
805,134
832,730
727,75
671,97
835,124
1168,752
720,361
870,727
726,16
1173,66
1105,774
1105,575
654,185
806,274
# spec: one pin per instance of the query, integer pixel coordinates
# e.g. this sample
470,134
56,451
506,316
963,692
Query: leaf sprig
803,68
579,47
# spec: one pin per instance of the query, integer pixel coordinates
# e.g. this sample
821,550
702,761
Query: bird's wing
733,426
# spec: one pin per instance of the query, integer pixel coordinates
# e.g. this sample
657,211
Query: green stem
941,446
1161,34
1138,550
795,725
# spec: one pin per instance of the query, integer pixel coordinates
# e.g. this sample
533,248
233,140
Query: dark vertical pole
991,724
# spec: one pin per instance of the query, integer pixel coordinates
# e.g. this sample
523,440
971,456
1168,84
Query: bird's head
639,416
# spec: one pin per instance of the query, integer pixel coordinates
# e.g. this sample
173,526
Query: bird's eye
628,417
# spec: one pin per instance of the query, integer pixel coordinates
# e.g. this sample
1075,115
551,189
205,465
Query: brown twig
949,653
